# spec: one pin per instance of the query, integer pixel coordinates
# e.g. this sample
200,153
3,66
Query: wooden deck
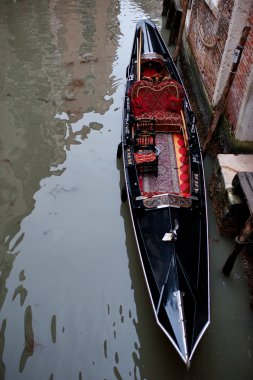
245,180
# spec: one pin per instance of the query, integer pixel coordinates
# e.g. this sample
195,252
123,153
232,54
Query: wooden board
246,182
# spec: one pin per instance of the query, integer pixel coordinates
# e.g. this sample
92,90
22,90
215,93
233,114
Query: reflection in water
44,46
71,138
57,70
22,292
6,267
114,334
53,328
29,338
105,348
28,96
2,341
31,139
20,289
22,275
88,63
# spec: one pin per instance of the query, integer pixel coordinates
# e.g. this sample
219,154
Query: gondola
165,189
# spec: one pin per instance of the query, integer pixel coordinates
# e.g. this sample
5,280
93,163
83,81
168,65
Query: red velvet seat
160,101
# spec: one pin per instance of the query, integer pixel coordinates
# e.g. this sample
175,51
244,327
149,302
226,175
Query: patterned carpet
167,179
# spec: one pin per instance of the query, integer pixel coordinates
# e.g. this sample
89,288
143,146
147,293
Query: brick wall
207,38
237,91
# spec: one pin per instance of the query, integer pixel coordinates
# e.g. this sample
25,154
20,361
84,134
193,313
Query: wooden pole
166,5
241,241
181,29
219,108
139,55
170,14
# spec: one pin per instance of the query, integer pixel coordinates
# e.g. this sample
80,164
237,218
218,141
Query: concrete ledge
231,164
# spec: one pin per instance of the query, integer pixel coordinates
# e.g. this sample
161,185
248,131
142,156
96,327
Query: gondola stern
182,354
184,325
199,339
185,354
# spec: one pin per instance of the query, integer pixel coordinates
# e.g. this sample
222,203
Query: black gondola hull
170,229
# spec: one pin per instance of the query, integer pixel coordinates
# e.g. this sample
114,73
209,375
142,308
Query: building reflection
55,57
88,50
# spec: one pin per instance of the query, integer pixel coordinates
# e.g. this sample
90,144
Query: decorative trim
167,200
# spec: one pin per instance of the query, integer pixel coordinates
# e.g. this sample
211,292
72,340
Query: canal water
73,302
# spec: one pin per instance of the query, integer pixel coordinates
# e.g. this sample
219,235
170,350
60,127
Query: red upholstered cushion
165,121
174,104
155,95
144,157
139,106
150,100
148,72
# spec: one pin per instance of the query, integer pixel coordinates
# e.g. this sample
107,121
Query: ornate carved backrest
147,96
144,133
145,152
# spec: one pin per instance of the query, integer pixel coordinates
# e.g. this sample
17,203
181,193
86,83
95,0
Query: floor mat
167,179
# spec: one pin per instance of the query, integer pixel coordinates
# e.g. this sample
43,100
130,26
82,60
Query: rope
248,242
207,44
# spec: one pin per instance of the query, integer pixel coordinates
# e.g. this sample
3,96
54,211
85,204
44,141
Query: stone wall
243,80
207,38
213,36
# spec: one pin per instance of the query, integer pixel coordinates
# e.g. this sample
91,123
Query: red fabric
183,151
150,100
148,72
166,121
185,168
184,174
145,141
155,95
139,106
184,159
185,188
184,177
180,142
146,157
174,104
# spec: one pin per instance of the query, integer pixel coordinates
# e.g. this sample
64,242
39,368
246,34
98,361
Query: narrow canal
73,302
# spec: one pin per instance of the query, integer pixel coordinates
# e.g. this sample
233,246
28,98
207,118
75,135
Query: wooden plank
166,6
181,30
246,182
243,238
175,26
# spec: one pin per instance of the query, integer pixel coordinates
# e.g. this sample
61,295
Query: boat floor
173,168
